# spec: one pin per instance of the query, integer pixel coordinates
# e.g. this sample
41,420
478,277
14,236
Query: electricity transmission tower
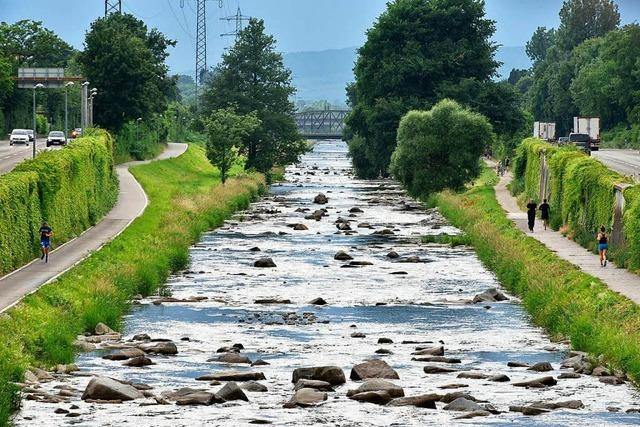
201,42
112,6
239,18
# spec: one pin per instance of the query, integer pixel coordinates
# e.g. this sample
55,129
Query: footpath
617,279
132,201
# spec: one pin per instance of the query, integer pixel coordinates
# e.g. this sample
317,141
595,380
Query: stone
566,404
230,358
124,354
473,375
500,378
41,374
601,371
201,398
141,337
331,374
453,385
568,375
433,369
314,384
373,369
611,380
255,249
230,391
429,351
514,364
67,369
365,225
318,301
102,329
61,411
541,367
437,359
393,255
360,263
377,397
342,256
174,395
385,341
490,295
537,383
300,227
238,376
473,414
254,387
358,335
306,397
463,404
260,362
450,397
383,351
385,232
355,210
343,226
321,199
378,384
83,346
138,362
103,388
167,348
272,301
265,262
420,401
528,410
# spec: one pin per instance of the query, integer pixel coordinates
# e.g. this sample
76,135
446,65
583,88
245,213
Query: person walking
544,213
45,240
603,245
531,214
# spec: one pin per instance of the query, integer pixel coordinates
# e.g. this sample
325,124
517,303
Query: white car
56,137
19,136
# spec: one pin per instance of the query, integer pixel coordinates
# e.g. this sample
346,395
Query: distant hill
323,75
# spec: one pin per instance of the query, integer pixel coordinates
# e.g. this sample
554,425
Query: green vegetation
252,78
185,201
452,240
559,297
439,148
70,188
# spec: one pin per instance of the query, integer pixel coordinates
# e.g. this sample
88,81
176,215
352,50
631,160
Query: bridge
321,124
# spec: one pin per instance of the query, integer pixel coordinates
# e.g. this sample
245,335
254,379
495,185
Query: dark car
580,140
56,137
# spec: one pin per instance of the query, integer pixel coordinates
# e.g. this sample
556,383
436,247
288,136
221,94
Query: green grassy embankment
565,301
185,200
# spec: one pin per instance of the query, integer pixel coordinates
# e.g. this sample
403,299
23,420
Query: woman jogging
531,214
544,213
603,245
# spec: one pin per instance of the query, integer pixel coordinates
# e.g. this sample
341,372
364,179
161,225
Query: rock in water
385,341
378,384
355,210
342,256
230,392
102,329
306,397
197,398
537,383
314,384
373,369
124,354
231,358
490,295
541,367
233,376
166,347
254,387
421,401
321,199
331,374
318,301
265,263
103,388
433,369
429,351
463,404
377,397
393,255
138,362
300,227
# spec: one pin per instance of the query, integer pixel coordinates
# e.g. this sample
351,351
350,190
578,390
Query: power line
239,18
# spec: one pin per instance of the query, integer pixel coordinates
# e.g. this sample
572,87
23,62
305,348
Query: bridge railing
326,123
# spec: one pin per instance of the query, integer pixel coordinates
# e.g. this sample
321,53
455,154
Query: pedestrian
531,214
544,213
603,245
45,240
506,163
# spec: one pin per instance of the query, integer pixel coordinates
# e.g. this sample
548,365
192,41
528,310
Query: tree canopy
584,19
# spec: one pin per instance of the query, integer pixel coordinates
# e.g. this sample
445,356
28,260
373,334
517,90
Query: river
403,301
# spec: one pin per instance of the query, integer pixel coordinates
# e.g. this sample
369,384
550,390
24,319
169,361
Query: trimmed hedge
71,189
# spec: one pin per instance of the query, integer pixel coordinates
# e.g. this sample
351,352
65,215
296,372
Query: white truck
546,131
586,133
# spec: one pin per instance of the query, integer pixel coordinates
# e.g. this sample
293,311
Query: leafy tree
252,78
125,61
516,74
227,134
28,43
414,49
541,40
584,19
439,148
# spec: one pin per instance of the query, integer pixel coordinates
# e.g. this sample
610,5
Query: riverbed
423,295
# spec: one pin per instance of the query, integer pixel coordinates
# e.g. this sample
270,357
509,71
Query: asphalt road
626,162
10,156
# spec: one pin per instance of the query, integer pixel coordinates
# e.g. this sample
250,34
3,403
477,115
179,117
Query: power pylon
112,6
239,18
201,43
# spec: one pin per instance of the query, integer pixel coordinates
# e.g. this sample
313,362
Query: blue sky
299,25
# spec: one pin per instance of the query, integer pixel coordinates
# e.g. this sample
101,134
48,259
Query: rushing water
426,303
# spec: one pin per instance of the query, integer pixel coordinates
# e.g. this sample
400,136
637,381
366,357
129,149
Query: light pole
66,110
83,105
138,120
35,129
94,92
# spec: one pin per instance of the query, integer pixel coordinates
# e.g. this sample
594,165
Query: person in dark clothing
544,213
45,240
531,214
603,245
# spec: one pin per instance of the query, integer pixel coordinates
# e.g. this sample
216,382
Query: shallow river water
428,303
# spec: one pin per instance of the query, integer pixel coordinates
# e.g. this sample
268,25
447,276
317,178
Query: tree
227,134
585,19
439,148
28,43
252,78
125,61
541,40
414,49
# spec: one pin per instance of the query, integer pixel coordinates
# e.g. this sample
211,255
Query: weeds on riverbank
185,201
448,239
559,297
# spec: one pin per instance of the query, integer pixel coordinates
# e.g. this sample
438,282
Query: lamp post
94,92
66,111
35,129
83,105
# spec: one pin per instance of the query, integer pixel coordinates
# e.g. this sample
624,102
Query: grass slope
185,200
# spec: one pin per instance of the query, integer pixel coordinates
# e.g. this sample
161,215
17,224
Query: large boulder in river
124,354
314,384
232,357
490,295
421,401
342,256
373,369
102,329
537,383
230,392
232,376
199,398
429,351
103,388
306,397
463,404
331,374
541,367
321,199
300,227
377,397
378,384
265,263
138,362
164,347
318,301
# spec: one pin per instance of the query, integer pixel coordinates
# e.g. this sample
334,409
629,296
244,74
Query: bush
71,189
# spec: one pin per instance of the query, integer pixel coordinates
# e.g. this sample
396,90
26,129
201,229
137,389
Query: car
563,140
31,135
76,133
56,137
19,136
580,140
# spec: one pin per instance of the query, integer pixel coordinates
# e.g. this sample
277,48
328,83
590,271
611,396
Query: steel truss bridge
321,124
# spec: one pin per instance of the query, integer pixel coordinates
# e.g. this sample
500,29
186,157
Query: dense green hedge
70,188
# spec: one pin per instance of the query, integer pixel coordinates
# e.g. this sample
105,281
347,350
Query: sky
298,25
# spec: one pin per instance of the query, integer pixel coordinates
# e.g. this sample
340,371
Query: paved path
619,280
131,203
626,162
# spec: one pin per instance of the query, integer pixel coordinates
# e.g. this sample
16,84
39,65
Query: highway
10,156
626,162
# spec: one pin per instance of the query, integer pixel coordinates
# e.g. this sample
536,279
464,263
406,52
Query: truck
586,133
546,131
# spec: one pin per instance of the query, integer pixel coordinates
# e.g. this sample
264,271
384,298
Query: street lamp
83,106
94,92
35,129
66,111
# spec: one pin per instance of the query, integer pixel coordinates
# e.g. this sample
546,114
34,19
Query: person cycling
603,245
45,240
